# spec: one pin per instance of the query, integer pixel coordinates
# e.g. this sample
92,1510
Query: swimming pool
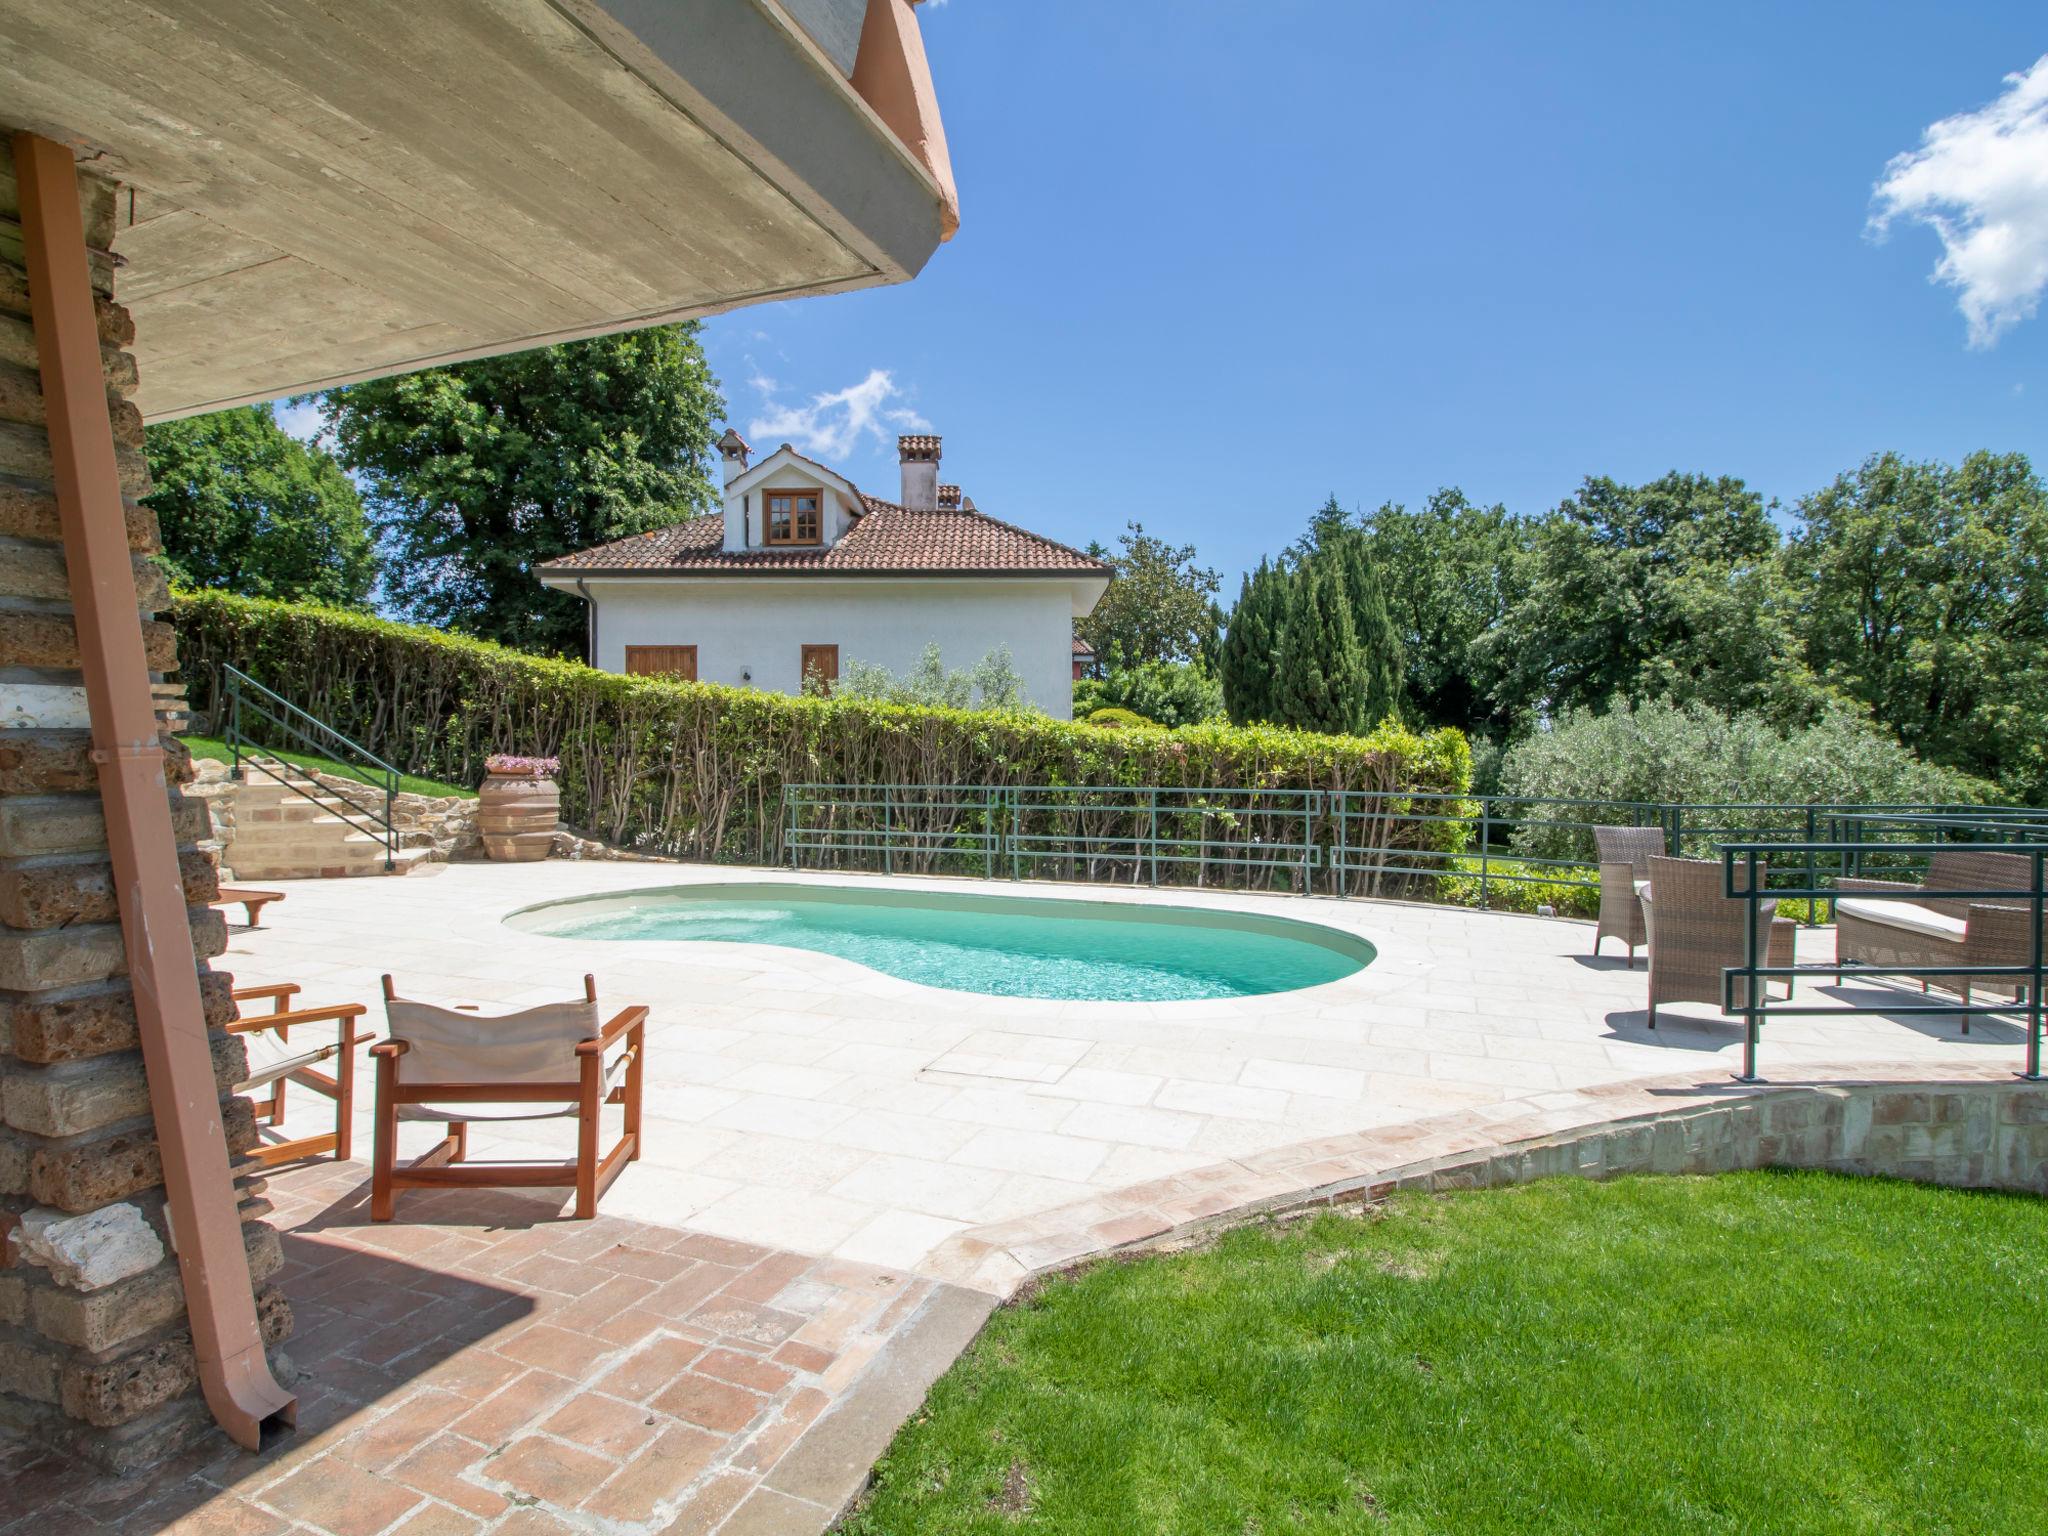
1001,946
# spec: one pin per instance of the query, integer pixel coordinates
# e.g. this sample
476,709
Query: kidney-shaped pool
1004,946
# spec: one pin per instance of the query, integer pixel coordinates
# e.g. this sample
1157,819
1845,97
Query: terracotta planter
517,817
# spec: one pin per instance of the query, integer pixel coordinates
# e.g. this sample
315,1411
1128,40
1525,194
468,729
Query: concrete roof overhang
312,194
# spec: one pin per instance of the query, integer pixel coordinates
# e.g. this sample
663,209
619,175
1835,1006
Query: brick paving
483,1365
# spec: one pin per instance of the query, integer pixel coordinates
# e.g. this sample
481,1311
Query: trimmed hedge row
697,770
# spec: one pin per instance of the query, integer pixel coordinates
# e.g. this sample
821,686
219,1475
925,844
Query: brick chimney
734,450
949,498
920,458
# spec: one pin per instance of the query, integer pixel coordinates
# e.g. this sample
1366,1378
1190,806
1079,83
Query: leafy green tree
1453,572
1923,593
1158,606
1321,678
246,507
1250,651
1629,596
480,471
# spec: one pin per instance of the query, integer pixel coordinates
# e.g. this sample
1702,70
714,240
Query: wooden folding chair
454,1065
273,1062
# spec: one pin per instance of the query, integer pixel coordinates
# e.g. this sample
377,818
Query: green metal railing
1398,843
1745,877
1138,834
283,726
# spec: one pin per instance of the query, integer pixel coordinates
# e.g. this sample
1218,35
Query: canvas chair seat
271,1059
614,1075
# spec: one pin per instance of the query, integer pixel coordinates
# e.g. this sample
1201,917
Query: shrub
1117,718
698,770
991,683
1663,752
1165,692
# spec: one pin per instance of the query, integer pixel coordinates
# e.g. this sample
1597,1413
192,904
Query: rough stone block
94,1171
30,511
30,639
114,1391
2024,1106
59,893
1898,1108
91,1251
97,1020
37,962
13,1164
104,1320
29,1369
34,569
31,762
74,1098
71,957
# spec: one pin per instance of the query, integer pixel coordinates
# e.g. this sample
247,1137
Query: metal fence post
1752,1023
2034,982
1152,832
1485,843
1812,872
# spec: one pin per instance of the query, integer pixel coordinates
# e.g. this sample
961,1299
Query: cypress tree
1372,623
1320,682
1250,641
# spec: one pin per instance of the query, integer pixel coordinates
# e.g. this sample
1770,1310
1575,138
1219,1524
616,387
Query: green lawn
213,746
1766,1352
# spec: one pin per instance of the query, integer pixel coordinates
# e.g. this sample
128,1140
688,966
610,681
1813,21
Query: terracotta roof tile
885,539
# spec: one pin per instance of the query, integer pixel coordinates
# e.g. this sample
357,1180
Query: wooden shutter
662,661
822,661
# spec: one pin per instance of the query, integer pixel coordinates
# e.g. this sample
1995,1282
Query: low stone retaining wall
1979,1128
1969,1135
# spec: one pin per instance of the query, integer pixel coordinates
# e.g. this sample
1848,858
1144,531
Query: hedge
697,770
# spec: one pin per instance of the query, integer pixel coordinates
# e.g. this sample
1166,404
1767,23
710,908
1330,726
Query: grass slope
1763,1352
213,746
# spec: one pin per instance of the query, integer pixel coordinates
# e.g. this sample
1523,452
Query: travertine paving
844,1173
804,1102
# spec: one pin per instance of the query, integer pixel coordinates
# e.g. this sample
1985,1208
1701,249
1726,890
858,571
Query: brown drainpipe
155,926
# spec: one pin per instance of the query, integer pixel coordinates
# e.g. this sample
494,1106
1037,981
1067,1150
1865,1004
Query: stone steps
280,833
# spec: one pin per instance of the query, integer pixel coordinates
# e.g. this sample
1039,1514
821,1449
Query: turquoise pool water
1002,946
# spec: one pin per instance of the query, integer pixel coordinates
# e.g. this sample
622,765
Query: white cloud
833,425
301,420
1979,180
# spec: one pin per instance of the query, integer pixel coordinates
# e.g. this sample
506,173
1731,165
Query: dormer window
794,517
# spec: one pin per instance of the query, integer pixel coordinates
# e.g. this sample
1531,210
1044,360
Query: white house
803,573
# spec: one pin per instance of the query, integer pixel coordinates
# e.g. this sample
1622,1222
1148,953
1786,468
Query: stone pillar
95,1356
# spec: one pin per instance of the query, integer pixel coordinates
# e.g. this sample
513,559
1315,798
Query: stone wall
95,1356
1967,1135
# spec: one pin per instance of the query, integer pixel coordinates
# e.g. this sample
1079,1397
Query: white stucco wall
757,626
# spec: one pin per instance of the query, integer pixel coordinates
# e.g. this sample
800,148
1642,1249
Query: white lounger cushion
1906,915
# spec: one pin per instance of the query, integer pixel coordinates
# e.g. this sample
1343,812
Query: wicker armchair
1625,854
1943,930
1695,933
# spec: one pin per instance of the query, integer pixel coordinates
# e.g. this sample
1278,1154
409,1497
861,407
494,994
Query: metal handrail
1753,888
1404,842
246,696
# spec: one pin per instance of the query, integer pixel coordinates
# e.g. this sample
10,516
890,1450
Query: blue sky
1218,260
